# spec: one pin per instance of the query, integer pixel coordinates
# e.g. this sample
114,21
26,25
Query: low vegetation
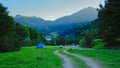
107,58
30,57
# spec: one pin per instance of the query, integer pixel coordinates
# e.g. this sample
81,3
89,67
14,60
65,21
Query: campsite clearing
31,57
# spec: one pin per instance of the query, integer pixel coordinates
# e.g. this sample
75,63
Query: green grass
30,57
108,58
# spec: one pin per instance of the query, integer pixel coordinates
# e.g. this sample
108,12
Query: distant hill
60,25
33,22
85,15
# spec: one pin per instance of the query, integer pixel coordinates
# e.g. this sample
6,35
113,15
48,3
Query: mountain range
60,25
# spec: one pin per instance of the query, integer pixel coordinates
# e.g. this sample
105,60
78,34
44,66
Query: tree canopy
7,34
109,22
13,36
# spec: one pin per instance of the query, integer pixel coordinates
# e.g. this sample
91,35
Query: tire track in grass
67,63
91,63
76,62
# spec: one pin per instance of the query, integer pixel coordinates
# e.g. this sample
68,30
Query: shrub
82,42
98,44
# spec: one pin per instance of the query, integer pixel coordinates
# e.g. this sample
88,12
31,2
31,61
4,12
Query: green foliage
23,35
27,42
72,35
13,36
36,37
88,36
21,32
88,40
8,37
28,36
82,42
98,44
108,25
66,40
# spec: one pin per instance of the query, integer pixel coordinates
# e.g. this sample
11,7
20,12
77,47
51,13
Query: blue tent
40,45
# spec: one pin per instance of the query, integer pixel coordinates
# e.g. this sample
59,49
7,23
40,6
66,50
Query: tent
40,45
60,46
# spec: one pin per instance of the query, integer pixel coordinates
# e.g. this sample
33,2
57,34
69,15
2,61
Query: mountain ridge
63,23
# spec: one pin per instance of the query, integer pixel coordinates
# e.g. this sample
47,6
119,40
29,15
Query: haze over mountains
60,25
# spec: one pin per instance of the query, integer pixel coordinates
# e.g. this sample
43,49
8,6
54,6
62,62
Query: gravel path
91,63
67,63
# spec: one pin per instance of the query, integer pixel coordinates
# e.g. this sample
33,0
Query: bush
98,44
82,42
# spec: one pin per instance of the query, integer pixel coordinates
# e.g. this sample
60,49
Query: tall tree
109,22
7,33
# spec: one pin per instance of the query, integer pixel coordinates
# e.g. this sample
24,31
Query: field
30,57
108,58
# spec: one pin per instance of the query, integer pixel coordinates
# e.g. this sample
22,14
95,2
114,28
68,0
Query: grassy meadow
30,57
108,58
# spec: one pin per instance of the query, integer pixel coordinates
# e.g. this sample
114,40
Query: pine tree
8,37
109,22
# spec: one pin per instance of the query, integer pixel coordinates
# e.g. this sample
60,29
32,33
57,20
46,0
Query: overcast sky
48,9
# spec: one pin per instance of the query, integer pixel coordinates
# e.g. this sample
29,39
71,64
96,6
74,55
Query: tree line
104,32
13,35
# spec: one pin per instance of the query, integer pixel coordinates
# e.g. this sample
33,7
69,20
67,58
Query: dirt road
67,63
89,62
